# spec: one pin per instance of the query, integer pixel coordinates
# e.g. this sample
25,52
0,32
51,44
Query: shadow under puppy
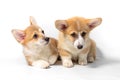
39,50
74,42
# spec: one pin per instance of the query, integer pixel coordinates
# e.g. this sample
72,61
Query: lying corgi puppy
39,50
74,42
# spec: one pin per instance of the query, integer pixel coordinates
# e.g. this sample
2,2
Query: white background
14,14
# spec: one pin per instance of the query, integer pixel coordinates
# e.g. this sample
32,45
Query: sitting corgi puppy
74,42
39,50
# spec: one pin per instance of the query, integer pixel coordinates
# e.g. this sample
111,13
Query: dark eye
35,36
74,34
42,31
83,34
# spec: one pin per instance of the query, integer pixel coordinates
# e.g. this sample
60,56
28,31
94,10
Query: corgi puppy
74,43
39,50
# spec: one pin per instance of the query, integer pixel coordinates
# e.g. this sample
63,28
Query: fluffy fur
39,50
74,42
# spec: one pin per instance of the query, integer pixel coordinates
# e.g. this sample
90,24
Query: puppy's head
33,35
76,29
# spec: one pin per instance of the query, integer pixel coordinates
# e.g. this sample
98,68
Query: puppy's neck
34,49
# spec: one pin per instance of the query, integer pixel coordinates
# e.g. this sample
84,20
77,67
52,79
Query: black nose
47,39
80,46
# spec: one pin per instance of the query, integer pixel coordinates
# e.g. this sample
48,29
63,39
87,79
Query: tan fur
38,52
66,48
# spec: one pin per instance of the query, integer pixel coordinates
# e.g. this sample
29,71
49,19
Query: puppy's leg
66,58
53,46
37,63
40,64
92,54
53,59
82,60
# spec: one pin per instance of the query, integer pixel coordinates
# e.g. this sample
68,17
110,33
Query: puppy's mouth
44,41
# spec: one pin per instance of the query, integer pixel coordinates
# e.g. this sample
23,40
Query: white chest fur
38,52
72,50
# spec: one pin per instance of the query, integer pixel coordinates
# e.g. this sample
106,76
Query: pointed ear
61,25
92,23
32,21
19,35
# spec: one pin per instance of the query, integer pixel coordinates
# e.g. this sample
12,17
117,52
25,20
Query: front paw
67,63
41,64
82,62
91,59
